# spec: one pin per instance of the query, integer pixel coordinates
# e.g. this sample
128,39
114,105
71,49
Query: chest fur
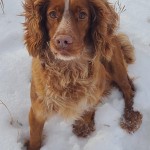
71,100
70,90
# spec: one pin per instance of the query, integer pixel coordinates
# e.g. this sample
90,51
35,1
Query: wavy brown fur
74,88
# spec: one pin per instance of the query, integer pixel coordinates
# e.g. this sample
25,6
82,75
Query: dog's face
67,24
69,27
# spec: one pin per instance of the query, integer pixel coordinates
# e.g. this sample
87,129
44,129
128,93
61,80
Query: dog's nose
63,41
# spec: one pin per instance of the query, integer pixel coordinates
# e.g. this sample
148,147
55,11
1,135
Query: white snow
15,74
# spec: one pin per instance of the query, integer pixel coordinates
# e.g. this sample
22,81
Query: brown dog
77,58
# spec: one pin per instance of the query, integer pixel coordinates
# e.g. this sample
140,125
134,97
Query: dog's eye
53,14
82,15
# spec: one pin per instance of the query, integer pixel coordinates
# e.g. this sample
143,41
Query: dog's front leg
37,118
131,119
36,128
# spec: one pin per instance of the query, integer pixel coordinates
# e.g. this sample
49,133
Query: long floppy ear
36,35
104,21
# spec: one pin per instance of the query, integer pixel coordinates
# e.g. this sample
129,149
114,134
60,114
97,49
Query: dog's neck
74,69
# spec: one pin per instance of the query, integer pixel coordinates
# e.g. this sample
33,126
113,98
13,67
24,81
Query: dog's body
77,58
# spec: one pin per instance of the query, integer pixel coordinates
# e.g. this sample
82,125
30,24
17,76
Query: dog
78,57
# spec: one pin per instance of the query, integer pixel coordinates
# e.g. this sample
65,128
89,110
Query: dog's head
68,27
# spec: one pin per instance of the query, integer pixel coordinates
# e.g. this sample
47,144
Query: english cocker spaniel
77,58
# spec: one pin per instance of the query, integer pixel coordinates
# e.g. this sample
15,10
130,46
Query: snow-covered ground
15,76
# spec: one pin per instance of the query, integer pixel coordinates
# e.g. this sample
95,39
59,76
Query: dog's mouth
65,54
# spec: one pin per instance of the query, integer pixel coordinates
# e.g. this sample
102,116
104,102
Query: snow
15,74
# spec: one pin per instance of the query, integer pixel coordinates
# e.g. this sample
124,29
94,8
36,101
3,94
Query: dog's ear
36,34
104,21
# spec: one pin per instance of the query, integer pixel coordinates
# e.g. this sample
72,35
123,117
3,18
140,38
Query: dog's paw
83,129
28,147
131,121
